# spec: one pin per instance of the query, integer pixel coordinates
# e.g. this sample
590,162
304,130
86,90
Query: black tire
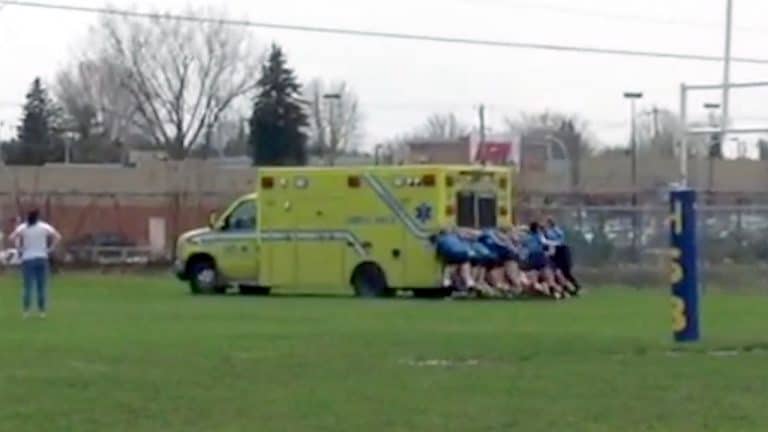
369,281
204,279
432,293
250,290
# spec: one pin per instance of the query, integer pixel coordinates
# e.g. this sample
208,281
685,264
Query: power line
385,35
594,13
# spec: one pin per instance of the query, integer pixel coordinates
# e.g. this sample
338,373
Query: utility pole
633,97
656,126
333,125
481,115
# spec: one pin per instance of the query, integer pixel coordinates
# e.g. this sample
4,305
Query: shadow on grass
403,297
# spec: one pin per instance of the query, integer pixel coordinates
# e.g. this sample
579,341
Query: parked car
10,257
97,247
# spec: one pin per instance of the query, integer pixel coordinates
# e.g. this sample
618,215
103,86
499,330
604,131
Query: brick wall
76,215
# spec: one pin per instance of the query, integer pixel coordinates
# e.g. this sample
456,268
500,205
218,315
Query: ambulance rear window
476,210
465,213
486,212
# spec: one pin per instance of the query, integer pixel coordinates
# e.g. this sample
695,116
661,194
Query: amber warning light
353,182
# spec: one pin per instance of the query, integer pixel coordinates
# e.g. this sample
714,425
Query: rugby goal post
684,275
724,128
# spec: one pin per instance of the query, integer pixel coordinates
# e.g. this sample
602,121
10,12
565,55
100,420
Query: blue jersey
491,240
482,254
451,243
555,235
534,244
495,241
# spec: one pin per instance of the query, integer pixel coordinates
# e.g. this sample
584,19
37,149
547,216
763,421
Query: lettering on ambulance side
378,220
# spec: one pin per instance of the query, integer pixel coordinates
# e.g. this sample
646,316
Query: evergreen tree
37,141
279,120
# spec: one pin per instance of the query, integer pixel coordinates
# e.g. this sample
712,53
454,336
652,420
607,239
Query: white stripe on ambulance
287,235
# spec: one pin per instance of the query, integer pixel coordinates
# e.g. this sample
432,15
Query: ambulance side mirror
212,218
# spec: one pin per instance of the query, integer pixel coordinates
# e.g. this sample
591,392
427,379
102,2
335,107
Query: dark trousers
564,262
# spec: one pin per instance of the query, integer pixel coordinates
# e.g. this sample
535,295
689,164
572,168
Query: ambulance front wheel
369,281
204,279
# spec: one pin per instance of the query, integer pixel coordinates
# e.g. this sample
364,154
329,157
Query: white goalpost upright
683,208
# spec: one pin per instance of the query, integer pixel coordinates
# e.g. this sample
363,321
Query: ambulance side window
242,218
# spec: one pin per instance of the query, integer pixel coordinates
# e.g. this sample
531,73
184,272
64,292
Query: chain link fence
624,245
628,245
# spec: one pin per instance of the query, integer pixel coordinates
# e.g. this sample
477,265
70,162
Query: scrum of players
507,262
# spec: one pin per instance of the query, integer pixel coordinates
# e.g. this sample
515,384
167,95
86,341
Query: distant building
455,152
499,150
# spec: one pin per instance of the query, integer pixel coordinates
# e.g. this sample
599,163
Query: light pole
727,71
333,99
633,97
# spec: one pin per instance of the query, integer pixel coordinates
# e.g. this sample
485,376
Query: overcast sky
402,82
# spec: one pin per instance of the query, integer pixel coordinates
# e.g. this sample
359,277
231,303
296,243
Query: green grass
133,354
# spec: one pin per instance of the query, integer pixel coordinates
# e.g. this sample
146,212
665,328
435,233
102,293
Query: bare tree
660,130
181,76
526,122
98,109
442,127
336,122
437,128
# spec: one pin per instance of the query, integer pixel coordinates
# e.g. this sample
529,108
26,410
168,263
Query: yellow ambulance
362,230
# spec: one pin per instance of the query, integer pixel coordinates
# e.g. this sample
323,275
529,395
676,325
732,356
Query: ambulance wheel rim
206,277
370,282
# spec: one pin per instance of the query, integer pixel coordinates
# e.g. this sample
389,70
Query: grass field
133,354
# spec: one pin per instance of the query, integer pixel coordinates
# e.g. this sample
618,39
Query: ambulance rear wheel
438,293
252,290
369,281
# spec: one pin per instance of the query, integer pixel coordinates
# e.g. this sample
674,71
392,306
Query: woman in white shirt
36,240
